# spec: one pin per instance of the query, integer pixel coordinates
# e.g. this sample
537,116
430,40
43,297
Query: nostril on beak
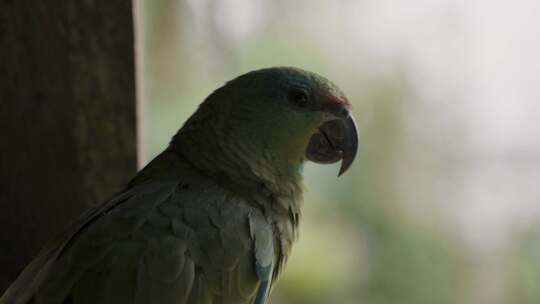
337,108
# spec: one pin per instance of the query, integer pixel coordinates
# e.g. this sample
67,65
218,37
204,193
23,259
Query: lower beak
335,140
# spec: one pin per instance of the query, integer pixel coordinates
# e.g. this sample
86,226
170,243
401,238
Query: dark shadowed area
67,117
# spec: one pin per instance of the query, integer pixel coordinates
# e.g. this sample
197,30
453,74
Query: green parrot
212,219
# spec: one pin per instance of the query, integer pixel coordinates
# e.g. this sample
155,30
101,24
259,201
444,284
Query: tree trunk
67,117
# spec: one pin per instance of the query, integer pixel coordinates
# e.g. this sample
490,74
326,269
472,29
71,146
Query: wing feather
157,242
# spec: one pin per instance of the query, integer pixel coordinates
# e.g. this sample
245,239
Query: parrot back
168,238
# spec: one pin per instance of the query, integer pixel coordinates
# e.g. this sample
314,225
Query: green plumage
210,220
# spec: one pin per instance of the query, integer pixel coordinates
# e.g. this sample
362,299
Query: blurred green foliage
523,266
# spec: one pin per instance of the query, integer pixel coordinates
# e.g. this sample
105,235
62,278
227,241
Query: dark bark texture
67,117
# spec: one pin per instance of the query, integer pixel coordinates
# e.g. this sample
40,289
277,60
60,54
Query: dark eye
299,97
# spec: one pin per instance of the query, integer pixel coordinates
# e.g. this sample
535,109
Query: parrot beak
335,140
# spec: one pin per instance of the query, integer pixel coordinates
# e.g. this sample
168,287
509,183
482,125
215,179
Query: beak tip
352,145
344,167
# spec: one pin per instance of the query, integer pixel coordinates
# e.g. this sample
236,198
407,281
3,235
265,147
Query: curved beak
335,140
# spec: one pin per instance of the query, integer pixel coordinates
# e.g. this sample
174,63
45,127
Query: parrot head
306,109
275,117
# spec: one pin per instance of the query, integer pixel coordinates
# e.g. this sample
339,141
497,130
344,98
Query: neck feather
211,142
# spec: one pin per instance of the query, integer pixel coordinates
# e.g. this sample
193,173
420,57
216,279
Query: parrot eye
299,97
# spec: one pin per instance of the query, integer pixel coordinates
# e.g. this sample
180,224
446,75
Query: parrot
213,218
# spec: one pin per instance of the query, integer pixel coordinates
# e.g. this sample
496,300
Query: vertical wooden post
67,117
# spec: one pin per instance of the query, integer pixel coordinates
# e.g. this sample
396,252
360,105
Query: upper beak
335,140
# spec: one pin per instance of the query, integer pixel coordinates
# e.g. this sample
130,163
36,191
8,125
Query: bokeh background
443,202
